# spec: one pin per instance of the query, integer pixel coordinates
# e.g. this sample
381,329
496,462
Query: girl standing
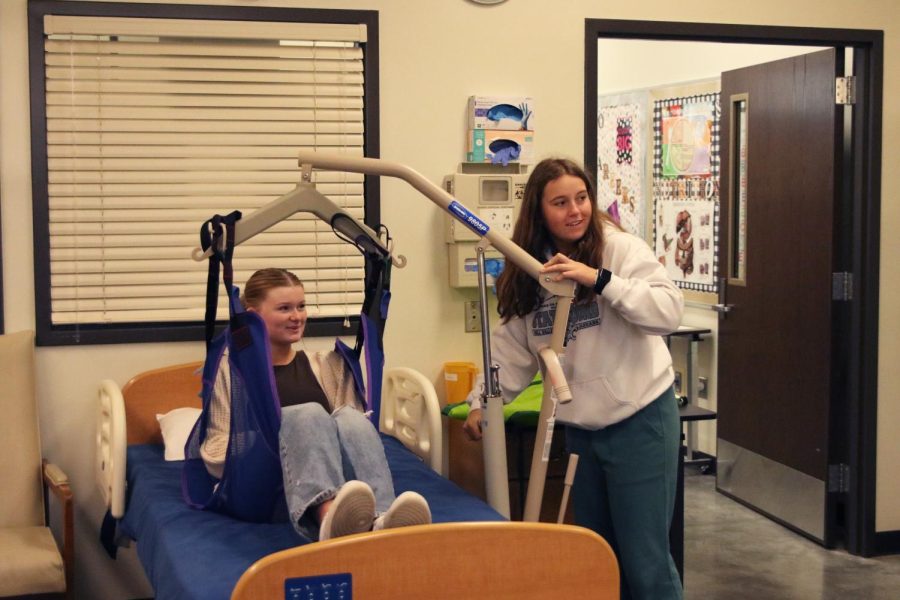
623,419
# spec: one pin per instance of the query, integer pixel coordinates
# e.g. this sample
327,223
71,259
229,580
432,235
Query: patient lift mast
305,198
492,421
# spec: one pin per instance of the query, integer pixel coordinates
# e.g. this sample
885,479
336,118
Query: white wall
434,53
625,65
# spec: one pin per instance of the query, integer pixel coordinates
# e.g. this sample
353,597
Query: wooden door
780,157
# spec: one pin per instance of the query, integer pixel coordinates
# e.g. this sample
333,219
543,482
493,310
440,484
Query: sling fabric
251,483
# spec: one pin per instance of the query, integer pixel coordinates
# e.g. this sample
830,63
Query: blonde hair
262,281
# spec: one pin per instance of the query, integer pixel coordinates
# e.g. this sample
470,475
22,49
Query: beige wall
625,65
434,53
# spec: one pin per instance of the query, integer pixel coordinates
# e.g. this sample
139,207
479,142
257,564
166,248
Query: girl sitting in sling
335,473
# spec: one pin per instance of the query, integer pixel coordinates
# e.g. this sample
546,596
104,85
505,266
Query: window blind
154,125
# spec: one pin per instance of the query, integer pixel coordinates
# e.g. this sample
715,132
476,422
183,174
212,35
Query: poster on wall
686,189
622,140
685,243
687,139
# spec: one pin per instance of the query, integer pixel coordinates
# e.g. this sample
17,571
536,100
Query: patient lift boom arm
305,198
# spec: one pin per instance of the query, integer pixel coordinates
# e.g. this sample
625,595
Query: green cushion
524,410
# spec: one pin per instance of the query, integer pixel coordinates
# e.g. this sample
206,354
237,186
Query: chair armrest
55,478
58,482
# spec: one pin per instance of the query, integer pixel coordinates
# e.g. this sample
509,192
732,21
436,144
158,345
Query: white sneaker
352,511
409,508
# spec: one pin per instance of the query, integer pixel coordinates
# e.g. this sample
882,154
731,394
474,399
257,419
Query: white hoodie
615,359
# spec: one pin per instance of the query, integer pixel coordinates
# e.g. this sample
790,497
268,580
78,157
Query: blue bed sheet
191,554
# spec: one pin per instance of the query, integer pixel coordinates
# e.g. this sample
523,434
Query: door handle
719,308
723,308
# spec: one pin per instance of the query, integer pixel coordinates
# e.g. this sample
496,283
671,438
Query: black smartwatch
603,277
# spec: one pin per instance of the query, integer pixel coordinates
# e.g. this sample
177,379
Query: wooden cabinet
467,468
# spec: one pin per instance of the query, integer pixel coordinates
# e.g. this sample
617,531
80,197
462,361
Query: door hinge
842,286
838,479
845,90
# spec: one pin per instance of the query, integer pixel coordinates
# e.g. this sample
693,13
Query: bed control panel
320,587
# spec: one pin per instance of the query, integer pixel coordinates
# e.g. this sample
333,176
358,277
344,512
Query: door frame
857,245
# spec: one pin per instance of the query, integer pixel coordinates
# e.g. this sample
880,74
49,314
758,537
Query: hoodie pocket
612,392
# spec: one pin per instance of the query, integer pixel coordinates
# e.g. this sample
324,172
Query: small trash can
459,377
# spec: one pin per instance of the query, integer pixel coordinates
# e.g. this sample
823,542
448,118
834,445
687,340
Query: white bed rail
111,442
411,413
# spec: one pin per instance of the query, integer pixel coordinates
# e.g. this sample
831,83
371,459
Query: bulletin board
686,167
623,136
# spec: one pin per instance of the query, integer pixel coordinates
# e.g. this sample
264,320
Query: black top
297,384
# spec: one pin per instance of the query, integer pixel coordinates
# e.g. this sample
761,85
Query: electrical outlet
702,386
473,315
499,219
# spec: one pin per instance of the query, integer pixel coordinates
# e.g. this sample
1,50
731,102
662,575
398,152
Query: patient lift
305,198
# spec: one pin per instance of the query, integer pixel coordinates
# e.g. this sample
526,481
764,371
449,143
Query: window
149,119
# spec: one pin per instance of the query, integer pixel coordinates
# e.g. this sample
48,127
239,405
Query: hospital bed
470,551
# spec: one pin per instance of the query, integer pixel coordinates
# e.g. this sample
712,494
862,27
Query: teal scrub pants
624,489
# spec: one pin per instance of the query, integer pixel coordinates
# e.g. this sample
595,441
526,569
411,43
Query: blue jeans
624,489
320,452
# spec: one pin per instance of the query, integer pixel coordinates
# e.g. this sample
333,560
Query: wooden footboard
446,561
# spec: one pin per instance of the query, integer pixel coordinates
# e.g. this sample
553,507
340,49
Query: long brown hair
262,281
517,293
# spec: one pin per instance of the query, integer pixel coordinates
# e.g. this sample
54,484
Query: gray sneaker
409,508
352,511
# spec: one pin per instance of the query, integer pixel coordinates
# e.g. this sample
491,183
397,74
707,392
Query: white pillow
176,426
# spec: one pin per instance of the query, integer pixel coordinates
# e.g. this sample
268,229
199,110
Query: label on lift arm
468,219
551,423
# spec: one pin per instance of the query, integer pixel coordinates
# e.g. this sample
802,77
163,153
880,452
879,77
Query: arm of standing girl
639,288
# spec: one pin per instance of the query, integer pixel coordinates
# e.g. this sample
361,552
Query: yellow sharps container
459,377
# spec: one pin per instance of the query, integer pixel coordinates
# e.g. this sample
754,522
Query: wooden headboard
157,392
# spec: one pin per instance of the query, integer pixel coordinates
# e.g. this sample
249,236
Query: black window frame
48,334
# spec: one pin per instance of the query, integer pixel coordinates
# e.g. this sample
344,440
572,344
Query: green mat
524,410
